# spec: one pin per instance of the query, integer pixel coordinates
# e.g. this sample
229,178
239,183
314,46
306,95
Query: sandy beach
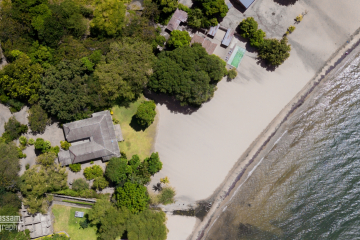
203,152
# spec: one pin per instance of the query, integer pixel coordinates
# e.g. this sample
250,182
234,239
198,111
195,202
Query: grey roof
100,131
213,30
178,17
246,3
79,214
228,37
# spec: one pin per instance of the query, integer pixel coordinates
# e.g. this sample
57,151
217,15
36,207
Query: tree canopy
9,165
38,119
179,39
132,196
275,52
146,113
13,129
188,73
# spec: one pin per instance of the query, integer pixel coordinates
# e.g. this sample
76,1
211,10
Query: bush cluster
93,172
13,130
273,51
146,113
75,167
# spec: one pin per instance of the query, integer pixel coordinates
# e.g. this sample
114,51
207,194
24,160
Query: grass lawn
137,141
65,220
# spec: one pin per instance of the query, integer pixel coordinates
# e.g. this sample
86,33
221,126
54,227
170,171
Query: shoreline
244,164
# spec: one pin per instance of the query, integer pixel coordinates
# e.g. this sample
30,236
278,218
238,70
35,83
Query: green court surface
236,57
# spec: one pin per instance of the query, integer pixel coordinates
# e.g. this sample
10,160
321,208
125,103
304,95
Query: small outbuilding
178,17
79,214
228,37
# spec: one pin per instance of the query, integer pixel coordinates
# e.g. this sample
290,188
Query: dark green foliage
88,193
257,39
206,13
76,167
148,224
154,163
126,70
38,119
84,224
100,183
93,172
232,73
79,185
179,39
20,153
163,11
248,27
189,73
9,165
117,170
71,49
146,113
132,196
27,166
13,130
275,52
64,92
41,54
42,145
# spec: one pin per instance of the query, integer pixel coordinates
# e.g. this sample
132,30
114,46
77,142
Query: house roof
213,30
178,17
101,139
228,37
246,3
205,43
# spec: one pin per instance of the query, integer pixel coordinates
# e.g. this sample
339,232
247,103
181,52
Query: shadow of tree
264,64
286,2
170,102
237,5
135,125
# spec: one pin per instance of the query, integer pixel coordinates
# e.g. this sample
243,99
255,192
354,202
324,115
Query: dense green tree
9,165
41,54
232,74
46,159
146,113
64,92
214,7
21,79
38,180
126,70
257,38
80,184
148,224
71,49
248,27
167,195
275,52
109,18
93,172
75,23
179,39
111,221
189,73
38,119
154,162
100,183
13,129
132,196
117,170
42,145
196,18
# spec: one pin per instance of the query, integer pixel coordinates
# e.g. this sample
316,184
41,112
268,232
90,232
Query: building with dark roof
178,17
91,138
228,37
246,3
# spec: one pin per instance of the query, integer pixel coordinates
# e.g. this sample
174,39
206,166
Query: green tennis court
236,57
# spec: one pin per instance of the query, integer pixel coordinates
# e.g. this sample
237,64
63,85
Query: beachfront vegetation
75,167
93,172
133,196
79,184
167,195
179,39
291,29
189,73
273,51
114,222
146,113
13,130
232,73
38,119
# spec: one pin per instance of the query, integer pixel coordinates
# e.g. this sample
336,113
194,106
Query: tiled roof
178,17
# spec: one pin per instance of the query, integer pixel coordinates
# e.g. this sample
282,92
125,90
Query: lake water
308,183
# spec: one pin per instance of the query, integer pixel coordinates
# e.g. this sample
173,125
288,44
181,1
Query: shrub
232,73
38,119
20,153
291,29
91,162
146,113
23,140
248,27
167,195
27,166
165,180
116,170
13,130
39,143
154,163
55,149
31,141
65,145
132,196
299,18
46,159
100,183
257,38
93,172
80,184
179,38
275,52
76,167
84,224
88,193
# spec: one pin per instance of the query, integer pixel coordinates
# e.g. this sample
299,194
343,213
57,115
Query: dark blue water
308,183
